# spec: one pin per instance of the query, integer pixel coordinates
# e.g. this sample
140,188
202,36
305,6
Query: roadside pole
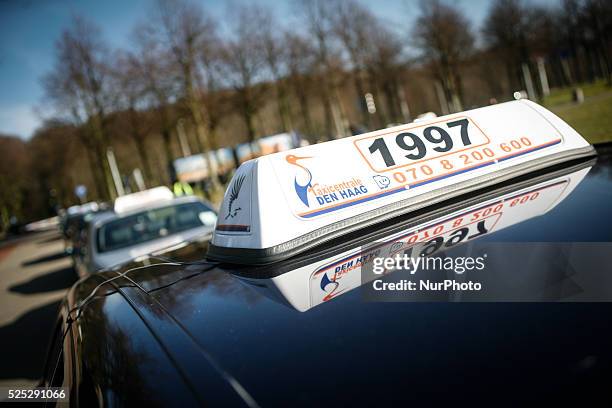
112,163
137,174
543,77
180,130
528,81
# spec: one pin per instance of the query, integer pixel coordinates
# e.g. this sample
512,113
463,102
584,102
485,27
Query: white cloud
20,120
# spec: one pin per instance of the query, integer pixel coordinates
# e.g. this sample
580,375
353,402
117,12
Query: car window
152,224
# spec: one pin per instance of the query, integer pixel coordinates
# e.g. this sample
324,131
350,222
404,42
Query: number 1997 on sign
419,144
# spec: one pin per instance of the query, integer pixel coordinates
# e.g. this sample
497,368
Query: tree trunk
106,173
327,109
281,101
201,130
144,160
201,120
391,101
248,122
169,170
305,111
365,115
94,168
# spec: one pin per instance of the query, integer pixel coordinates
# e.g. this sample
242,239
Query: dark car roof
349,351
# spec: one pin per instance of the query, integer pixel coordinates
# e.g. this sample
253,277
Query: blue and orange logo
330,286
301,189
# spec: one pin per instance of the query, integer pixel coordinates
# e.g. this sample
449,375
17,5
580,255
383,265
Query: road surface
34,275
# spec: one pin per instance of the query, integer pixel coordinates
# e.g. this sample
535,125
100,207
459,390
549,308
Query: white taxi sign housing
283,203
142,199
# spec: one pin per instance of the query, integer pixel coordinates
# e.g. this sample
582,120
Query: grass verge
592,119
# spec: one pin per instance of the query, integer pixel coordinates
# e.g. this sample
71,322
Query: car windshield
152,224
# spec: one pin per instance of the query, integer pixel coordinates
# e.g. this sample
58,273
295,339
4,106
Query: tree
444,37
275,58
373,53
353,25
186,32
78,86
14,176
161,76
585,28
318,16
243,61
384,63
598,15
505,30
300,65
215,96
131,88
54,152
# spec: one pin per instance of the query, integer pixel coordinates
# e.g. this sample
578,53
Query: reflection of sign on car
456,229
330,277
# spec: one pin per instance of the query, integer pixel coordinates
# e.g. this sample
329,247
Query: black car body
199,333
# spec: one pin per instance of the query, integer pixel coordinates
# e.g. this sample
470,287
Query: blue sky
29,29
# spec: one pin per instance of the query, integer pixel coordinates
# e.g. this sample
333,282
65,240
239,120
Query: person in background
182,188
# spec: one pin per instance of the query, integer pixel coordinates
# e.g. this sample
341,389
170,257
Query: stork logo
301,189
236,186
330,286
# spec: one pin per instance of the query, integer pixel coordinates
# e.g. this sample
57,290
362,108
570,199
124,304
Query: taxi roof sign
284,203
142,199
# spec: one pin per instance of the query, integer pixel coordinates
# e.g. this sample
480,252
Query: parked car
185,331
337,275
72,222
142,224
